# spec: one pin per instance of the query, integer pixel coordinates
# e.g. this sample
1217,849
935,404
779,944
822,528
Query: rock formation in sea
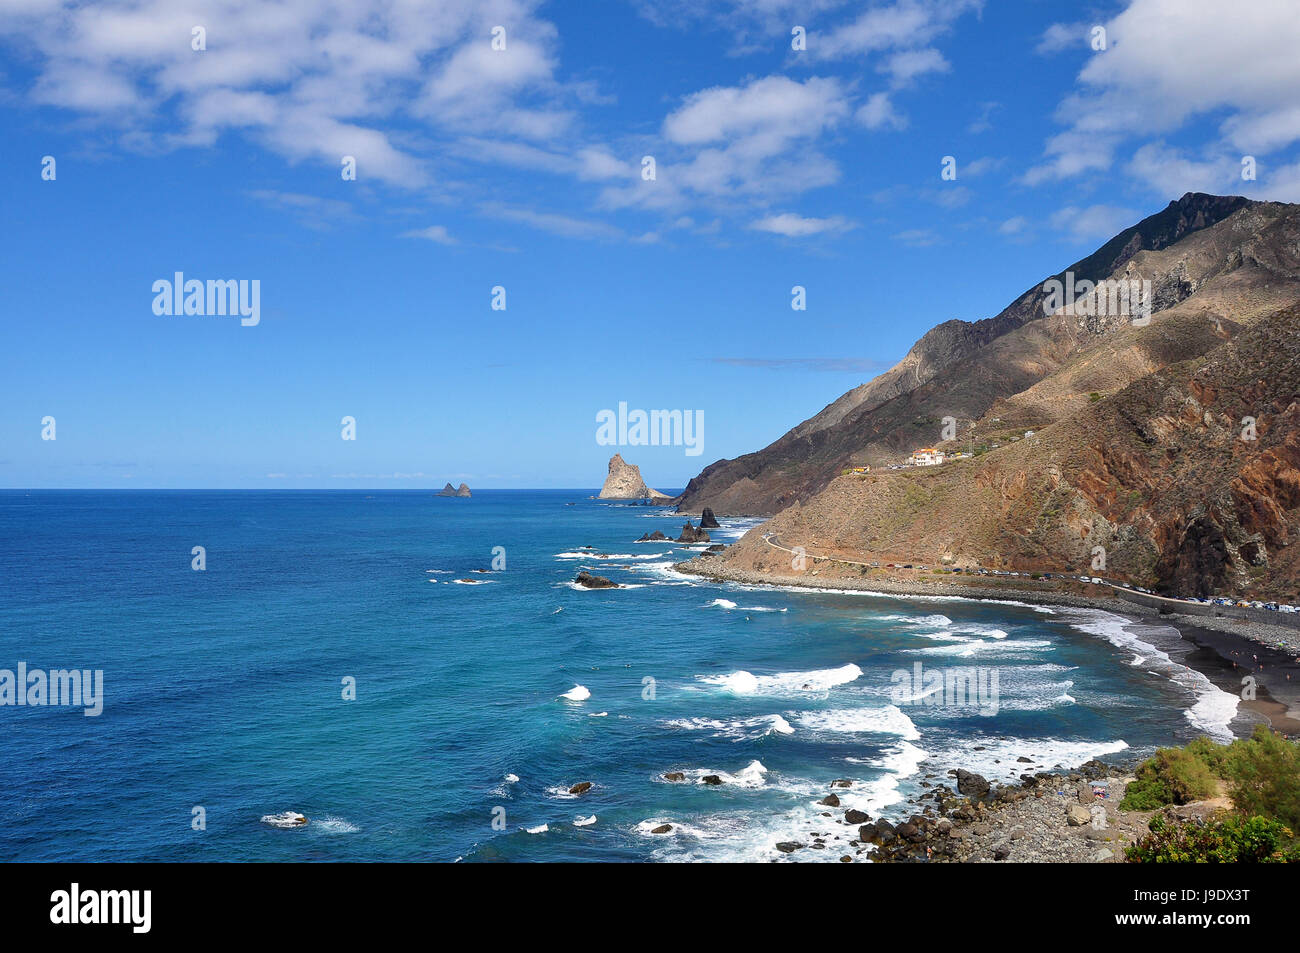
692,535
708,520
588,581
624,483
449,490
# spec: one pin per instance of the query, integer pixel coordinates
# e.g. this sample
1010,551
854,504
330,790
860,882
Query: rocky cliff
1235,257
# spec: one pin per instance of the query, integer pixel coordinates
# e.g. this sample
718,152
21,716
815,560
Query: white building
926,457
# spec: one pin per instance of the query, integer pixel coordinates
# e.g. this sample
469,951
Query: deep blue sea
224,688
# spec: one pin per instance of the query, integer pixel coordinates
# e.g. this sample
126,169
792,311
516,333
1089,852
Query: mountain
1221,257
1174,446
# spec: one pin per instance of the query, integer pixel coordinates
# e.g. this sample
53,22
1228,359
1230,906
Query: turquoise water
223,689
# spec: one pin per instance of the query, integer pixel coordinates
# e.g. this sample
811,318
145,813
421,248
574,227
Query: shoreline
1225,650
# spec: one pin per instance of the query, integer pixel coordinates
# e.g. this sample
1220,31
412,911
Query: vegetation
1229,840
1262,775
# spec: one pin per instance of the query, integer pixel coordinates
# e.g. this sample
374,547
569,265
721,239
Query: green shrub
1264,776
1212,754
1171,776
1229,840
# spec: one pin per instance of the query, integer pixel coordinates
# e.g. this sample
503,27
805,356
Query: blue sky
522,168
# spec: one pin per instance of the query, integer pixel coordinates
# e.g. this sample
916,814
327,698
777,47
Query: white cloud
878,113
796,226
1093,222
434,233
308,80
905,24
1170,62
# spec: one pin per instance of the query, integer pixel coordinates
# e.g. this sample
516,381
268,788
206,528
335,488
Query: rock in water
707,519
655,537
462,490
588,581
582,787
624,483
662,829
692,535
447,490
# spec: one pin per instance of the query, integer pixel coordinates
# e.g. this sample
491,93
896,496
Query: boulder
707,520
674,776
662,829
588,581
656,537
1077,815
830,800
711,779
582,787
788,846
856,817
970,784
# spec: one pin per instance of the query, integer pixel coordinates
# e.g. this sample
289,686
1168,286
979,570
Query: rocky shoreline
1050,816
1282,639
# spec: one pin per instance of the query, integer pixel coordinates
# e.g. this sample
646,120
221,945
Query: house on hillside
926,457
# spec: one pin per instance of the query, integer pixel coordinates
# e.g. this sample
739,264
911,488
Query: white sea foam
1212,709
885,719
578,693
783,683
584,821
997,759
738,729
285,819
728,604
334,825
539,829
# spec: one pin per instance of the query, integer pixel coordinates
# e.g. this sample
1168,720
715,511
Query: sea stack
624,483
450,490
708,520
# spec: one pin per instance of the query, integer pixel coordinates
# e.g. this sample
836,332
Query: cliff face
624,483
1236,257
1186,480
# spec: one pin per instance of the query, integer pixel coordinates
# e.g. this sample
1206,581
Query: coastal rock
711,779
588,581
971,784
856,817
463,490
674,776
662,829
788,846
624,483
692,535
1076,815
656,537
582,787
708,520
830,800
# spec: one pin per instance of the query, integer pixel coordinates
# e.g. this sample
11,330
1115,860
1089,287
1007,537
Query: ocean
329,660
